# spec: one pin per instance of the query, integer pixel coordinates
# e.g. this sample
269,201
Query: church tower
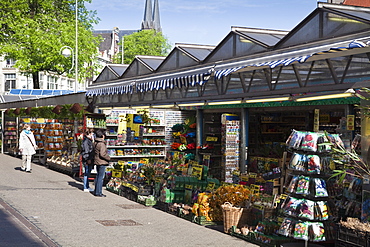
151,18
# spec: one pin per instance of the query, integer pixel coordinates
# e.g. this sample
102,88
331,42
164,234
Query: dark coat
101,152
87,150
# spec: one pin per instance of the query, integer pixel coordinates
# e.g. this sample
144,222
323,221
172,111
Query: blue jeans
99,180
87,173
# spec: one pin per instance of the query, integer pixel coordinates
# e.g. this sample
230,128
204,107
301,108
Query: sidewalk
48,208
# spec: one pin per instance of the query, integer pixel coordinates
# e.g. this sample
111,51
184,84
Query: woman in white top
27,147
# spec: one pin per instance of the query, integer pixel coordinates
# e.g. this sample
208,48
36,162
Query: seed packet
320,187
309,142
286,227
301,230
306,209
317,232
290,207
313,164
323,213
303,185
293,184
295,139
297,162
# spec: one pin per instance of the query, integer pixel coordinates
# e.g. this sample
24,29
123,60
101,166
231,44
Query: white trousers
26,162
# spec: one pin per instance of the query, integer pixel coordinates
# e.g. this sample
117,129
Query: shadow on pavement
14,233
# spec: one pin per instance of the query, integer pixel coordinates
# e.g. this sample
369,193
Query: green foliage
47,112
365,108
348,162
145,42
33,32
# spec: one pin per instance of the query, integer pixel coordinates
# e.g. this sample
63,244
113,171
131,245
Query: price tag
188,186
211,139
259,207
210,186
134,188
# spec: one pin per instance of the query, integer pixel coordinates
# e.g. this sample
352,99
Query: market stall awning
169,81
285,61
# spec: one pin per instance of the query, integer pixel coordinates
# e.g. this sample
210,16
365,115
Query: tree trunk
36,80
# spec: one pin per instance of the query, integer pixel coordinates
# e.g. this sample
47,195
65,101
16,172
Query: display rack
128,140
230,145
307,210
211,148
10,136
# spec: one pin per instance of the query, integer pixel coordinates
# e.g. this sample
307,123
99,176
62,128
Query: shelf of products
307,210
10,135
130,139
230,145
211,149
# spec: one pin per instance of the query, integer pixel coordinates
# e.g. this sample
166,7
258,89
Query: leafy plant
348,162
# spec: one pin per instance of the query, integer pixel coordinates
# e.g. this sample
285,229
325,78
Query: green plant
348,162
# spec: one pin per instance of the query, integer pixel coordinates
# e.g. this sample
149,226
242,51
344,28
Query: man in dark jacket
88,158
101,161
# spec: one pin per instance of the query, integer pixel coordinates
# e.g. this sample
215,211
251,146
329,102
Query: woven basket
231,215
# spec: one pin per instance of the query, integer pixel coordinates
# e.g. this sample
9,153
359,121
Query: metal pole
76,49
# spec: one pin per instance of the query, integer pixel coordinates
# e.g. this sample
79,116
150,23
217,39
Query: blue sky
204,22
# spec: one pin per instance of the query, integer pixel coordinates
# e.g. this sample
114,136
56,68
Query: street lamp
67,51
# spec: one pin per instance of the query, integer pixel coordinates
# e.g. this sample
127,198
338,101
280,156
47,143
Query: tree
145,42
32,33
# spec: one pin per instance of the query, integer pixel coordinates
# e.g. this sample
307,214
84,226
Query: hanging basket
28,110
7,111
231,215
17,111
57,110
76,108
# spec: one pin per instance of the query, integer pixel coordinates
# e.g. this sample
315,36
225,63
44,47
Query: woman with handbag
27,147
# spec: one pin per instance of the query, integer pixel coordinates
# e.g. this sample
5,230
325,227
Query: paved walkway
48,208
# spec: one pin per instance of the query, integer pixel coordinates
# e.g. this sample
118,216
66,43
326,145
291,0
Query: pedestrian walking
27,147
101,161
88,154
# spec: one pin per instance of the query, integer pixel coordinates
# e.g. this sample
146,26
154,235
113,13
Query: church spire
147,22
156,19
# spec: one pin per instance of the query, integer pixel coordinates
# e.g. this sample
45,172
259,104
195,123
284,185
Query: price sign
211,139
121,124
188,186
350,122
210,186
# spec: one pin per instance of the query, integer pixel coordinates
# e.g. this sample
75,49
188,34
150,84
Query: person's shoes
102,195
23,170
28,171
88,190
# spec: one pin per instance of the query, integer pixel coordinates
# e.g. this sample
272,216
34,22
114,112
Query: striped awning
288,61
179,82
125,89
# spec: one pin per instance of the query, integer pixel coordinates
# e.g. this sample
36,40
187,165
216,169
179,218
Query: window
51,82
10,80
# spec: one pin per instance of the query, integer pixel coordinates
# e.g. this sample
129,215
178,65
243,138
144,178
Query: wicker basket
231,215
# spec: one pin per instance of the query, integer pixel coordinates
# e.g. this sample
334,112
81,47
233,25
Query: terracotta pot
17,111
28,110
57,109
76,108
7,111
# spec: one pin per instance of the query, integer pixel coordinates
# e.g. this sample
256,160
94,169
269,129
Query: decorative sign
122,124
316,120
350,122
